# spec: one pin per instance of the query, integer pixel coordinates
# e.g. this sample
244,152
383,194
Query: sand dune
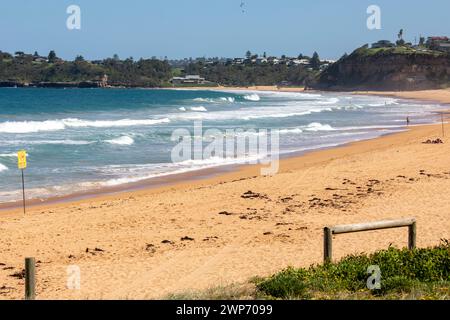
195,235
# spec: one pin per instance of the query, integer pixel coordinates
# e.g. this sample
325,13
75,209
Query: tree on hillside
315,61
79,58
422,41
36,54
400,41
248,54
52,56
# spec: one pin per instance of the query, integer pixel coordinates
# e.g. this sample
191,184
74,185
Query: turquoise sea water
81,139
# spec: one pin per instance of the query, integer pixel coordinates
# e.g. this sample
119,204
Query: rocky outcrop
387,69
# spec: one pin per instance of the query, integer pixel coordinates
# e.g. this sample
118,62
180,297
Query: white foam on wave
207,100
286,115
3,168
219,100
388,102
37,142
277,94
250,113
76,123
122,141
289,131
329,101
8,155
316,126
199,109
134,173
228,99
31,126
252,97
182,109
55,125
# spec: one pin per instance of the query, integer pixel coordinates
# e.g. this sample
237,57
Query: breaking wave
55,125
252,97
8,155
316,126
122,141
199,109
219,100
37,142
3,167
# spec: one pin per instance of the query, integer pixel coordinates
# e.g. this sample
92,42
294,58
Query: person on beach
407,121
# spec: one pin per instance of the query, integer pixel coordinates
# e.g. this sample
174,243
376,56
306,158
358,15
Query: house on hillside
273,60
304,62
438,43
189,79
261,60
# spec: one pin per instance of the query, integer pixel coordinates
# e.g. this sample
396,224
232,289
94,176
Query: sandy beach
226,229
439,95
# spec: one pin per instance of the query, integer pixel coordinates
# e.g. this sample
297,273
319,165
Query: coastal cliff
398,68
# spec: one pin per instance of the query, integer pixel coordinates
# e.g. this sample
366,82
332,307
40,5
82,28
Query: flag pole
23,191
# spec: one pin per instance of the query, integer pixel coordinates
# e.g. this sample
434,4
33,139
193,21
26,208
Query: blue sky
196,28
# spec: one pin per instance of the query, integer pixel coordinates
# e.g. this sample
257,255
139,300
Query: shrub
401,271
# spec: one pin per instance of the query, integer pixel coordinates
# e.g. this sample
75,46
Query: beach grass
405,274
419,274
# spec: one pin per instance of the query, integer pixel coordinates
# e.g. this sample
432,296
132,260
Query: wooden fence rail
328,232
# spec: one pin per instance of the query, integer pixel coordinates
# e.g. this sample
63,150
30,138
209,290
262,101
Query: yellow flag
22,159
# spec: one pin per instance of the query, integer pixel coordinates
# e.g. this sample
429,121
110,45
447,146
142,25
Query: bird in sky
243,6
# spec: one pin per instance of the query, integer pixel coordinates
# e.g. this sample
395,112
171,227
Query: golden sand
202,234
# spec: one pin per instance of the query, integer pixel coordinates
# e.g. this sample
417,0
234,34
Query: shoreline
204,174
170,180
197,178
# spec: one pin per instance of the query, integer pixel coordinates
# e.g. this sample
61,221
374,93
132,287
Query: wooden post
30,279
379,225
327,244
412,236
23,192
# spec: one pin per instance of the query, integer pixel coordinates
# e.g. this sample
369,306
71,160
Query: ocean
84,139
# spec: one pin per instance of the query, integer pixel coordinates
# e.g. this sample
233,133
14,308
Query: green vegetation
24,68
405,274
365,51
410,275
385,66
252,74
